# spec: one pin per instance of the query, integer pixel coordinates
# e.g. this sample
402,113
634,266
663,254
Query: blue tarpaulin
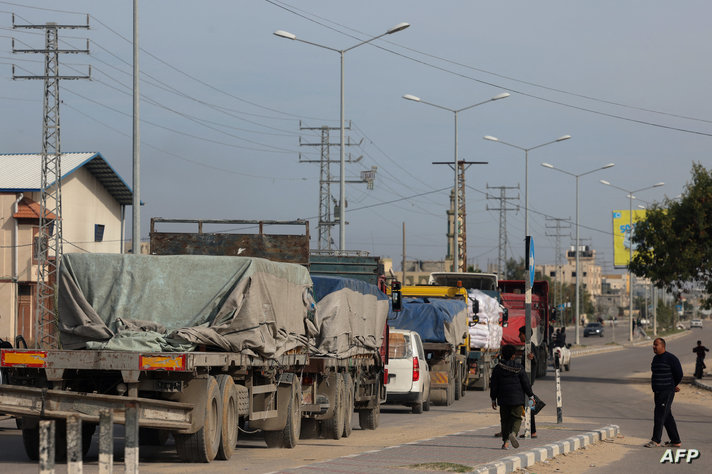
323,285
434,319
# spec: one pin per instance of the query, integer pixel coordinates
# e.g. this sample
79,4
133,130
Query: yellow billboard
621,235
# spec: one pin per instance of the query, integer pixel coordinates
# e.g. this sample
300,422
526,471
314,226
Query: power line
510,89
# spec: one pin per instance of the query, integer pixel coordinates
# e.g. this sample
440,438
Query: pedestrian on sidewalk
533,361
508,386
665,379
700,363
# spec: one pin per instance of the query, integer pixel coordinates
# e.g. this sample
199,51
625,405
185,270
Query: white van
408,371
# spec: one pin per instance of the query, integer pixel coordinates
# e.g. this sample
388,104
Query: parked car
408,371
593,329
695,323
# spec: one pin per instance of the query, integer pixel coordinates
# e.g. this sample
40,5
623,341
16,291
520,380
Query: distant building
590,279
94,197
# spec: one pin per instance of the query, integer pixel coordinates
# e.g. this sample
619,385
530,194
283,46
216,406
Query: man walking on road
700,362
666,376
509,385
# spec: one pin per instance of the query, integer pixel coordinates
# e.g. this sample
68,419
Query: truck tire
348,405
458,384
288,437
450,391
426,402
334,427
203,445
31,440
369,418
567,366
230,418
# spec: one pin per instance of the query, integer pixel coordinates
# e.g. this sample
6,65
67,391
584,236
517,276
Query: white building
94,197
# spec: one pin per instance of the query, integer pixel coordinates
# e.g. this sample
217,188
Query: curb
702,385
535,455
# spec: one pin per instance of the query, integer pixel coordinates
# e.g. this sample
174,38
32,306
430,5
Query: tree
515,269
674,240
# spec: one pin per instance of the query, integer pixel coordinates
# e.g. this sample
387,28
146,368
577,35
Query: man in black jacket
508,386
666,376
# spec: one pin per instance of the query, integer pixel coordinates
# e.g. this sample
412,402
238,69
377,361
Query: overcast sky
222,100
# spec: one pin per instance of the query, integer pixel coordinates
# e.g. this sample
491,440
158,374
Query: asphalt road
601,389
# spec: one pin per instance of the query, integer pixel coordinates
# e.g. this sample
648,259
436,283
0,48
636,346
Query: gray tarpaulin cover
174,303
350,316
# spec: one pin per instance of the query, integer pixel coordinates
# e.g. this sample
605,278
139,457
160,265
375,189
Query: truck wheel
203,445
450,391
348,405
485,380
368,418
334,427
230,418
458,385
426,402
288,437
567,366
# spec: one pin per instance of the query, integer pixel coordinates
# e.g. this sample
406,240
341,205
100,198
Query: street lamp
578,284
526,170
527,282
342,162
630,247
456,219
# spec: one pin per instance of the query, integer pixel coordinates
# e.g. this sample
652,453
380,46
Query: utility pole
503,198
558,225
49,238
326,222
460,241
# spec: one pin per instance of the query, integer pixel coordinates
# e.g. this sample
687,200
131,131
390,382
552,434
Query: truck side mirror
396,299
505,317
475,306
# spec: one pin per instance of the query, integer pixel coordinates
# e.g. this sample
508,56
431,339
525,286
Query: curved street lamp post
456,217
342,162
578,278
630,247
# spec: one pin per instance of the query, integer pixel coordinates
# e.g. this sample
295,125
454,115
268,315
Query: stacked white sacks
487,332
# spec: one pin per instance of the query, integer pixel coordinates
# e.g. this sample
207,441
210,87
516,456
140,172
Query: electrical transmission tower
49,250
326,222
559,225
503,201
461,213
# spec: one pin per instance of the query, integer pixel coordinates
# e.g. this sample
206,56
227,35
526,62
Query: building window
98,232
552,274
584,274
573,274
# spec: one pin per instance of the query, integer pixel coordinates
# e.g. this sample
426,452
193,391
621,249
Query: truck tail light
24,358
385,376
416,369
162,362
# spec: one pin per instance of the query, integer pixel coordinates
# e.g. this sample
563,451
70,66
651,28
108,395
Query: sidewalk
478,450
